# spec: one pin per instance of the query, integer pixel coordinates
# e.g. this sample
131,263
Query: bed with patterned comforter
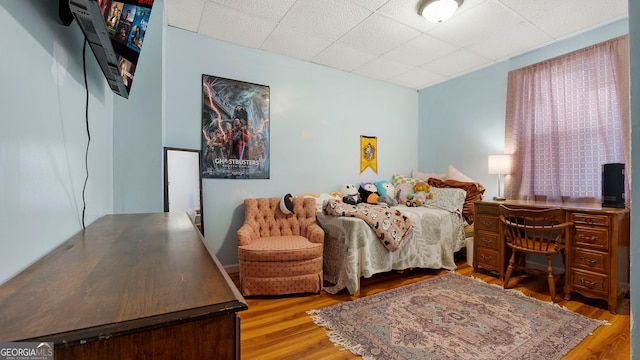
352,248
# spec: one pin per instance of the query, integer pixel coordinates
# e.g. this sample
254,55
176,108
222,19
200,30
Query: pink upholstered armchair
280,253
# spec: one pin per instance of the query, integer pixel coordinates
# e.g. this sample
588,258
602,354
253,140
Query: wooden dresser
139,286
598,253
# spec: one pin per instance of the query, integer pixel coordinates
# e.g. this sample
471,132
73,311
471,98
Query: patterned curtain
565,118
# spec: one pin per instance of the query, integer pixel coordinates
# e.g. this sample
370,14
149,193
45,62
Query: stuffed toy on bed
350,194
387,193
414,195
368,192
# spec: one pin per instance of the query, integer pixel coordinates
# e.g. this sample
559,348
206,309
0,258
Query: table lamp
500,165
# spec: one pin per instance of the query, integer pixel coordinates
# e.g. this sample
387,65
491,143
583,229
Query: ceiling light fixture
437,11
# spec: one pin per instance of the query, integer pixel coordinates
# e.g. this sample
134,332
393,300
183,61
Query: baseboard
231,269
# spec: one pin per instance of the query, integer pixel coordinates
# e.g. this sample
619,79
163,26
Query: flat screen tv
115,30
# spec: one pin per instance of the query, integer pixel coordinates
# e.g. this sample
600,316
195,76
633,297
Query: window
566,117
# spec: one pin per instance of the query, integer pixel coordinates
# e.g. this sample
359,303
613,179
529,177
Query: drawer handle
486,257
592,261
487,223
588,238
592,283
486,241
586,220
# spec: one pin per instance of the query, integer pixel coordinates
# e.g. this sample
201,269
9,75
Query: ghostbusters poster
235,129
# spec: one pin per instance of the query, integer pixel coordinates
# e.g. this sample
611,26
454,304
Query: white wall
317,117
43,134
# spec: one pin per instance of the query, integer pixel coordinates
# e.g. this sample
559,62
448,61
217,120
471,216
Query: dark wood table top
123,273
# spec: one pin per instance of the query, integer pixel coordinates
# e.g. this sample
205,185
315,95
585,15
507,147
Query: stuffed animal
414,195
368,192
350,194
286,205
387,193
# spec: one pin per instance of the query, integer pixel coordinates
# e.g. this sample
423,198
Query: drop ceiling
386,39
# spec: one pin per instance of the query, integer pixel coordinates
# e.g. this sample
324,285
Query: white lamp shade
439,10
500,164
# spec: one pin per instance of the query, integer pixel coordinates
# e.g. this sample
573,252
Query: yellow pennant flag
368,153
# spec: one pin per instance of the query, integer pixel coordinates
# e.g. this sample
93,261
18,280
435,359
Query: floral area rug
454,317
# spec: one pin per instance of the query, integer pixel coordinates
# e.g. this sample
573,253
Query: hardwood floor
279,327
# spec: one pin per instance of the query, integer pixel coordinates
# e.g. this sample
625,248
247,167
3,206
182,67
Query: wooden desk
139,286
598,254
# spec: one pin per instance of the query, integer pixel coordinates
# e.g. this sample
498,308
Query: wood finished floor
279,327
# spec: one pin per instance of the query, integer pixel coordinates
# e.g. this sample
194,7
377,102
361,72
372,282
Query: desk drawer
597,284
486,210
487,239
487,223
592,237
487,257
590,219
591,260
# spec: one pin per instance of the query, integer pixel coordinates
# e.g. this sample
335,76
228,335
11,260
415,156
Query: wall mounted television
115,30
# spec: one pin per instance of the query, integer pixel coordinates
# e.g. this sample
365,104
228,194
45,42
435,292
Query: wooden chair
280,253
537,231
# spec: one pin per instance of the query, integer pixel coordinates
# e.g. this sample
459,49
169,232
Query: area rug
453,317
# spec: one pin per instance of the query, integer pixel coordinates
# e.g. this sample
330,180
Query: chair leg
552,280
512,262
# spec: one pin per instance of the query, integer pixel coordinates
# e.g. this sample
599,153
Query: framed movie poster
235,129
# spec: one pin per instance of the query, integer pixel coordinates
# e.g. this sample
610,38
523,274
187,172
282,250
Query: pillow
426,176
474,193
398,179
455,174
450,199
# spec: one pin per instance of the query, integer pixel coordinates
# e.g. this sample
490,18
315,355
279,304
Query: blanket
391,226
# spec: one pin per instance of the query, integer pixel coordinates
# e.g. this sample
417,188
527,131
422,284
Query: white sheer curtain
565,118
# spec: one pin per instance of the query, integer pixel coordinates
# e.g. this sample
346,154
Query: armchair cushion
280,248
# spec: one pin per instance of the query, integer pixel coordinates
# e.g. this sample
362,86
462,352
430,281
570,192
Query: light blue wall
317,117
43,134
462,122
137,129
469,111
634,47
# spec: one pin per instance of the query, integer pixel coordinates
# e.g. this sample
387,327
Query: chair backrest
266,218
535,230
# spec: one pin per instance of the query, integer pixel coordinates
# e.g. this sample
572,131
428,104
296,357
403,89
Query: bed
352,249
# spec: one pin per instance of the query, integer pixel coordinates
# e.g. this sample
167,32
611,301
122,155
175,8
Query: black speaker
613,185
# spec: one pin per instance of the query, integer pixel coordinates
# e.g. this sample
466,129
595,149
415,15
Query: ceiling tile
456,63
406,11
518,39
184,14
479,22
580,15
290,42
382,69
416,78
531,9
267,9
378,35
420,51
222,22
343,57
372,5
327,19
